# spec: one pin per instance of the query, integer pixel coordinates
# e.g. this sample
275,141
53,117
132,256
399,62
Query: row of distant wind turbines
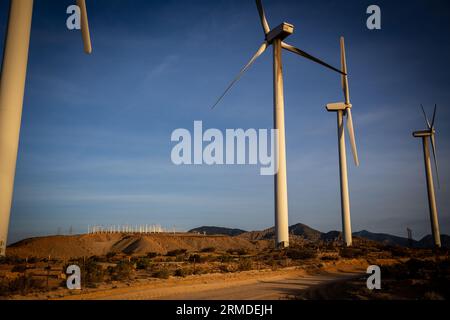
12,87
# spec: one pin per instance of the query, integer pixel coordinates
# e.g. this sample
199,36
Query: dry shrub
351,253
110,255
91,273
196,258
329,258
239,251
19,268
225,268
152,255
162,273
301,253
183,272
11,260
399,251
23,284
143,263
176,252
245,265
225,258
122,271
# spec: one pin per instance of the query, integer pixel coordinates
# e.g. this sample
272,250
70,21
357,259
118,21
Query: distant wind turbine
275,38
12,88
342,109
430,133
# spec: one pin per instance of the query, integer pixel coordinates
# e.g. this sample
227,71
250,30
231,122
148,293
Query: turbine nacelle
333,107
424,133
281,32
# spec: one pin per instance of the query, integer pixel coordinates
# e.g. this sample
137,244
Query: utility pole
410,239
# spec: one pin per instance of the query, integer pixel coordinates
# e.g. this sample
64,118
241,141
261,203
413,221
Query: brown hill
64,247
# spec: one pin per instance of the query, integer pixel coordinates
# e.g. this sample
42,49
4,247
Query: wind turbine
430,133
12,88
274,37
345,109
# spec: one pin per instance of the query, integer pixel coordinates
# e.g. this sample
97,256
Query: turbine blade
433,145
425,116
308,56
434,116
351,133
243,70
342,67
345,87
262,16
85,27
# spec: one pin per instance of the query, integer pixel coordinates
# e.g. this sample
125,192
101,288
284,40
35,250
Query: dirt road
275,289
268,285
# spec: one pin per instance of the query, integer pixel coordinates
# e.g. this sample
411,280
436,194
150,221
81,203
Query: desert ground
188,266
247,285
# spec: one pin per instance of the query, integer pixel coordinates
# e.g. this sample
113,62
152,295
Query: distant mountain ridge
211,230
385,238
298,229
427,241
311,234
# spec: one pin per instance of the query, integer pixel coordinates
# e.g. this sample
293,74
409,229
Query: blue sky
95,140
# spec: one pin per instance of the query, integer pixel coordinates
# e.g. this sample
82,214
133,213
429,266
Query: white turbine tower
342,109
275,38
430,134
12,88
